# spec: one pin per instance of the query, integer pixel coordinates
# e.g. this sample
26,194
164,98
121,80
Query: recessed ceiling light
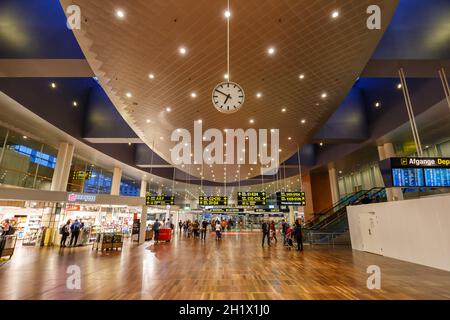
193,95
335,14
148,120
283,110
340,172
120,14
182,50
227,14
252,121
259,95
289,138
128,95
199,120
279,150
151,76
324,95
225,76
426,147
321,144
303,121
161,138
399,86
302,76
75,104
129,143
53,85
271,50
25,137
377,104
168,109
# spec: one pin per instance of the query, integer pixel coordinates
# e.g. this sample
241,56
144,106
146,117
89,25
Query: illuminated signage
272,210
73,197
408,162
251,199
418,172
72,207
226,210
213,201
81,175
159,200
291,198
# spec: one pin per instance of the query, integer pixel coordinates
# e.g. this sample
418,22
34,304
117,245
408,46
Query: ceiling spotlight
259,95
377,104
161,138
283,110
75,104
399,86
128,95
302,76
182,50
321,144
271,50
129,143
324,95
53,85
252,121
225,76
289,138
151,76
335,14
168,109
120,14
148,121
303,121
340,172
199,120
25,137
227,14
193,95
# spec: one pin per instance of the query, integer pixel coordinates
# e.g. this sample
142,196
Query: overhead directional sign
213,201
272,210
291,198
159,200
251,199
226,210
81,175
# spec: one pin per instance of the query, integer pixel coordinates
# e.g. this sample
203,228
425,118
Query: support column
115,184
143,226
309,208
62,168
143,191
387,151
334,187
291,216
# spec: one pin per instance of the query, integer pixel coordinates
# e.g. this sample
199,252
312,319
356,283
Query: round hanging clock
228,97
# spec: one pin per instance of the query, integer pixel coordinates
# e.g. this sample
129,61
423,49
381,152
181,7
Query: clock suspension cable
228,43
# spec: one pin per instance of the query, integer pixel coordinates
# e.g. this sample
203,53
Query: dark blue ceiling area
36,29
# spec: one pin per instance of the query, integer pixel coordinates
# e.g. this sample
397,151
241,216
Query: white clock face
228,97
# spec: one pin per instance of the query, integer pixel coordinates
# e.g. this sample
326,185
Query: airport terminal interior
225,149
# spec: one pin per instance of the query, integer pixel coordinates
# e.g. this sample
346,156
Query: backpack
61,230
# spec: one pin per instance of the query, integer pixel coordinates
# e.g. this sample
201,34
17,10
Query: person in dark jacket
65,231
298,235
266,233
75,232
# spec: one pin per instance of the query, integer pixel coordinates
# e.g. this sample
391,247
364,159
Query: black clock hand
222,93
228,97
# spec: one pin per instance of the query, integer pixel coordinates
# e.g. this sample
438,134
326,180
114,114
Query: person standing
298,235
168,224
75,232
156,227
180,226
218,231
65,231
203,229
273,232
266,233
284,227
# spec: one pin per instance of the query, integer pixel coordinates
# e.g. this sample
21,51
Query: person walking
65,232
273,232
75,232
218,231
156,227
180,226
266,233
195,227
203,230
298,235
284,227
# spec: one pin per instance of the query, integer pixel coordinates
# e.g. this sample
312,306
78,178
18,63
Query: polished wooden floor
235,268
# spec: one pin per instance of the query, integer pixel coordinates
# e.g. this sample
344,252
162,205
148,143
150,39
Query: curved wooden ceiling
331,53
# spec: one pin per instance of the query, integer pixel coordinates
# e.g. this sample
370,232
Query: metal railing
326,238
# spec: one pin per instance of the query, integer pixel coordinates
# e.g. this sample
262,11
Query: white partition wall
416,230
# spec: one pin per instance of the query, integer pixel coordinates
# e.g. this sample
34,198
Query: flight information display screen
251,198
408,177
437,177
213,201
159,200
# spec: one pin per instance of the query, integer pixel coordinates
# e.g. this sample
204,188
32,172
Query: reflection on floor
235,268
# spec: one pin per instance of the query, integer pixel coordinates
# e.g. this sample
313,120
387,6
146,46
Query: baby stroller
289,239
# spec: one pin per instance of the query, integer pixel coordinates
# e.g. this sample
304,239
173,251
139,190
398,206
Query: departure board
81,175
251,199
408,177
273,210
437,177
291,198
213,201
159,200
226,210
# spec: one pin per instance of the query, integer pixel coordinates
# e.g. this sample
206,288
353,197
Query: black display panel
291,198
81,175
213,201
248,199
226,210
272,210
159,200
